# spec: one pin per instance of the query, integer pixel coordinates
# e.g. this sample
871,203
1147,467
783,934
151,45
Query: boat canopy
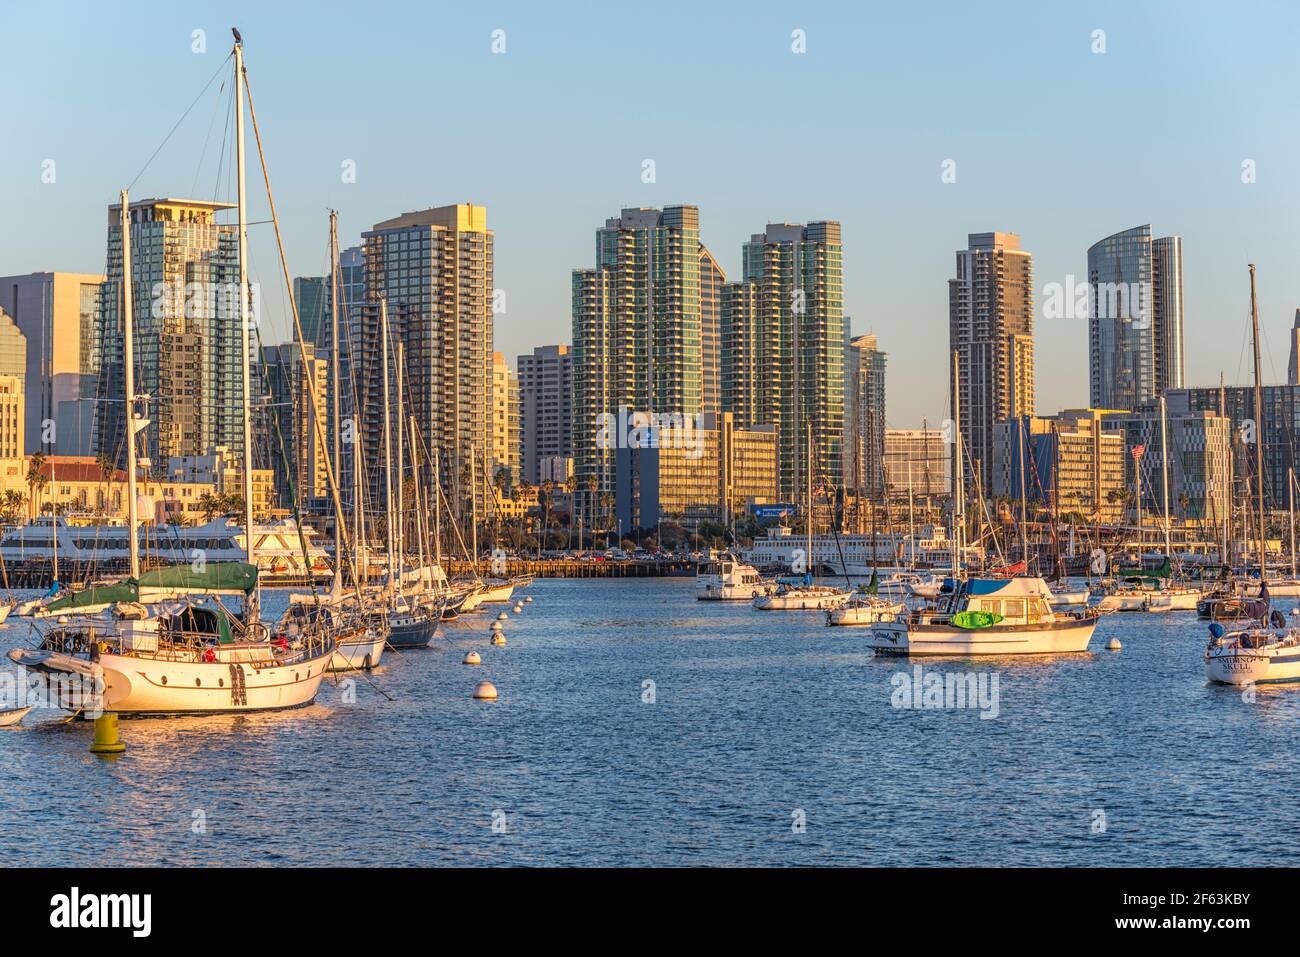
1164,571
218,578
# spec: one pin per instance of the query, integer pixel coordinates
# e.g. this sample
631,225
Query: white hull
896,638
1171,600
497,593
801,601
361,653
853,614
13,716
5,609
709,591
1063,599
1229,662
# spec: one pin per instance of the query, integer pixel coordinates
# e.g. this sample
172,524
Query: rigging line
198,169
178,123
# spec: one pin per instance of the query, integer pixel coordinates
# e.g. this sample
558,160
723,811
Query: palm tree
570,487
36,480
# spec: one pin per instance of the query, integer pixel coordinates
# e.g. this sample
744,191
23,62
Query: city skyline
900,218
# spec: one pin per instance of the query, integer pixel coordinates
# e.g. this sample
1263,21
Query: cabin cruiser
987,616
802,596
725,578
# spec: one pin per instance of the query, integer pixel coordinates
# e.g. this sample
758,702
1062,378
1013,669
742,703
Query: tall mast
243,307
1290,507
1259,422
401,466
958,479
128,361
1164,471
388,444
334,387
1024,511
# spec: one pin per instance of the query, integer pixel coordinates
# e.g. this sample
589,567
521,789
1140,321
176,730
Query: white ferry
725,578
859,555
279,549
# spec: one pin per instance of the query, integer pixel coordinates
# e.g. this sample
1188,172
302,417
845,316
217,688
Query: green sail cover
1164,571
222,577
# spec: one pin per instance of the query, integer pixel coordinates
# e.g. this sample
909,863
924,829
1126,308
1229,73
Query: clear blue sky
1052,141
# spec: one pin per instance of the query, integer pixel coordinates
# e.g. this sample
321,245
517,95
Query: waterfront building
505,420
221,471
712,280
917,462
545,409
434,267
56,312
783,347
990,328
1135,321
1068,463
713,475
864,419
556,469
636,333
12,416
185,285
1200,461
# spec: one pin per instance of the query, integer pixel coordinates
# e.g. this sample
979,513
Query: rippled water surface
758,721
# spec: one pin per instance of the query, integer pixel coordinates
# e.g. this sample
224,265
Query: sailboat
866,608
163,641
1262,649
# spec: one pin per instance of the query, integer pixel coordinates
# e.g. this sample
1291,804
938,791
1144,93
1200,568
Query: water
756,718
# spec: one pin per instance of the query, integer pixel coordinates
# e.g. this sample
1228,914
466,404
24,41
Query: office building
545,409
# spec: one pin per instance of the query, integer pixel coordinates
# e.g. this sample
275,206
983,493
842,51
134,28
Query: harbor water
637,726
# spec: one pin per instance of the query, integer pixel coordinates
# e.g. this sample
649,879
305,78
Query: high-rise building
434,269
636,333
864,418
712,281
56,312
991,327
917,462
545,409
1135,320
13,348
1072,463
11,416
505,419
1200,460
312,296
185,285
1293,364
783,347
298,457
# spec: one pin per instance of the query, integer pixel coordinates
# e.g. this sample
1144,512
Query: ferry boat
859,555
279,549
987,616
725,578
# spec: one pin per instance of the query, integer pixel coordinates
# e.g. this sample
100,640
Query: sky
1048,139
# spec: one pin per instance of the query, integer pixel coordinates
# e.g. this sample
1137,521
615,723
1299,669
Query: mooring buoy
106,739
498,638
486,691
503,617
472,658
1113,645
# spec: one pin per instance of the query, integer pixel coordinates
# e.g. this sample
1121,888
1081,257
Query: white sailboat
143,656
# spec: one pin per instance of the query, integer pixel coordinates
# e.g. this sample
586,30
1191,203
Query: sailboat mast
388,444
1259,421
334,388
128,362
401,465
958,479
1290,507
1164,471
246,385
1024,510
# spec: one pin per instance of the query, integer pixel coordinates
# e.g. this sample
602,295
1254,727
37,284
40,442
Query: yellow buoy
1113,645
486,691
498,638
106,740
472,658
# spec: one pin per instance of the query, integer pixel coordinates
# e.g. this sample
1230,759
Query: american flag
1139,450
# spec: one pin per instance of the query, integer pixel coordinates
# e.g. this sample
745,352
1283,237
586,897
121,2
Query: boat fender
1277,619
1216,630
209,655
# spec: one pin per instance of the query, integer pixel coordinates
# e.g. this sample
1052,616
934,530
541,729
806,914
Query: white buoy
503,617
528,598
1113,645
496,626
472,658
498,638
1295,611
518,609
486,691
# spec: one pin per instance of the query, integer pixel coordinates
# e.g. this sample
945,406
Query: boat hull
415,632
898,638
799,602
358,654
862,615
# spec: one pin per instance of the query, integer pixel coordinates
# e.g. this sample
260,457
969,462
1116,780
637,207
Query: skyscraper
864,418
783,347
185,285
1293,364
636,331
505,419
1135,322
545,408
712,281
56,312
991,327
434,268
289,426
